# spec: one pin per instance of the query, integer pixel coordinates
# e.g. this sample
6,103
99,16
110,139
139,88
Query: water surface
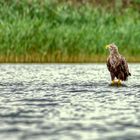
67,102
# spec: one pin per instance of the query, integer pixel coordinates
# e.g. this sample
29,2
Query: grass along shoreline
35,58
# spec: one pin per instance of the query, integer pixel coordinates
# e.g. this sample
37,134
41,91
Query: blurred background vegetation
68,30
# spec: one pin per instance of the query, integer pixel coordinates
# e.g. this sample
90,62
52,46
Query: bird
117,65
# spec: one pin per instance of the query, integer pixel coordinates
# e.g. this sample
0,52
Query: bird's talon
119,82
113,82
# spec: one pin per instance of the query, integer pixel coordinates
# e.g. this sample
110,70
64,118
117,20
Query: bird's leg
119,82
112,78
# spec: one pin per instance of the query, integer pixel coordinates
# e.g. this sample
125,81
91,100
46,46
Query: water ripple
67,101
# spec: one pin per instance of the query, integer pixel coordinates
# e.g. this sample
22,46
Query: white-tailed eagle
117,65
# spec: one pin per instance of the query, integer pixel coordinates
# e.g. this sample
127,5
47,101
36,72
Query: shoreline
61,59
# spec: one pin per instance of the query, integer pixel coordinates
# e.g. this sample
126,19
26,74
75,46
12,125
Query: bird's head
113,49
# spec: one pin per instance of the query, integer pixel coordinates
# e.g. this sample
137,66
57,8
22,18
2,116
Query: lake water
67,102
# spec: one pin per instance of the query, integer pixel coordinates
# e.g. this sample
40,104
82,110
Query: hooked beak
107,46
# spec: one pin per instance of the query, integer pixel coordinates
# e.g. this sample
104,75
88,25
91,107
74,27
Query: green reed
36,31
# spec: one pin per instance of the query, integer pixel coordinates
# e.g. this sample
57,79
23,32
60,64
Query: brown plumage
117,64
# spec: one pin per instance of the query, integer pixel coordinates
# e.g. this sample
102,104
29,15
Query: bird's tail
126,76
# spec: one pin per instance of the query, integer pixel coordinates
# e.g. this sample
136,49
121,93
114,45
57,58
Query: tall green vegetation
49,31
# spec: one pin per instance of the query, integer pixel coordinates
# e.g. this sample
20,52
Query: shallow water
67,102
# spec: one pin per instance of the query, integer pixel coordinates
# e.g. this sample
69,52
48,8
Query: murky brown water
67,102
